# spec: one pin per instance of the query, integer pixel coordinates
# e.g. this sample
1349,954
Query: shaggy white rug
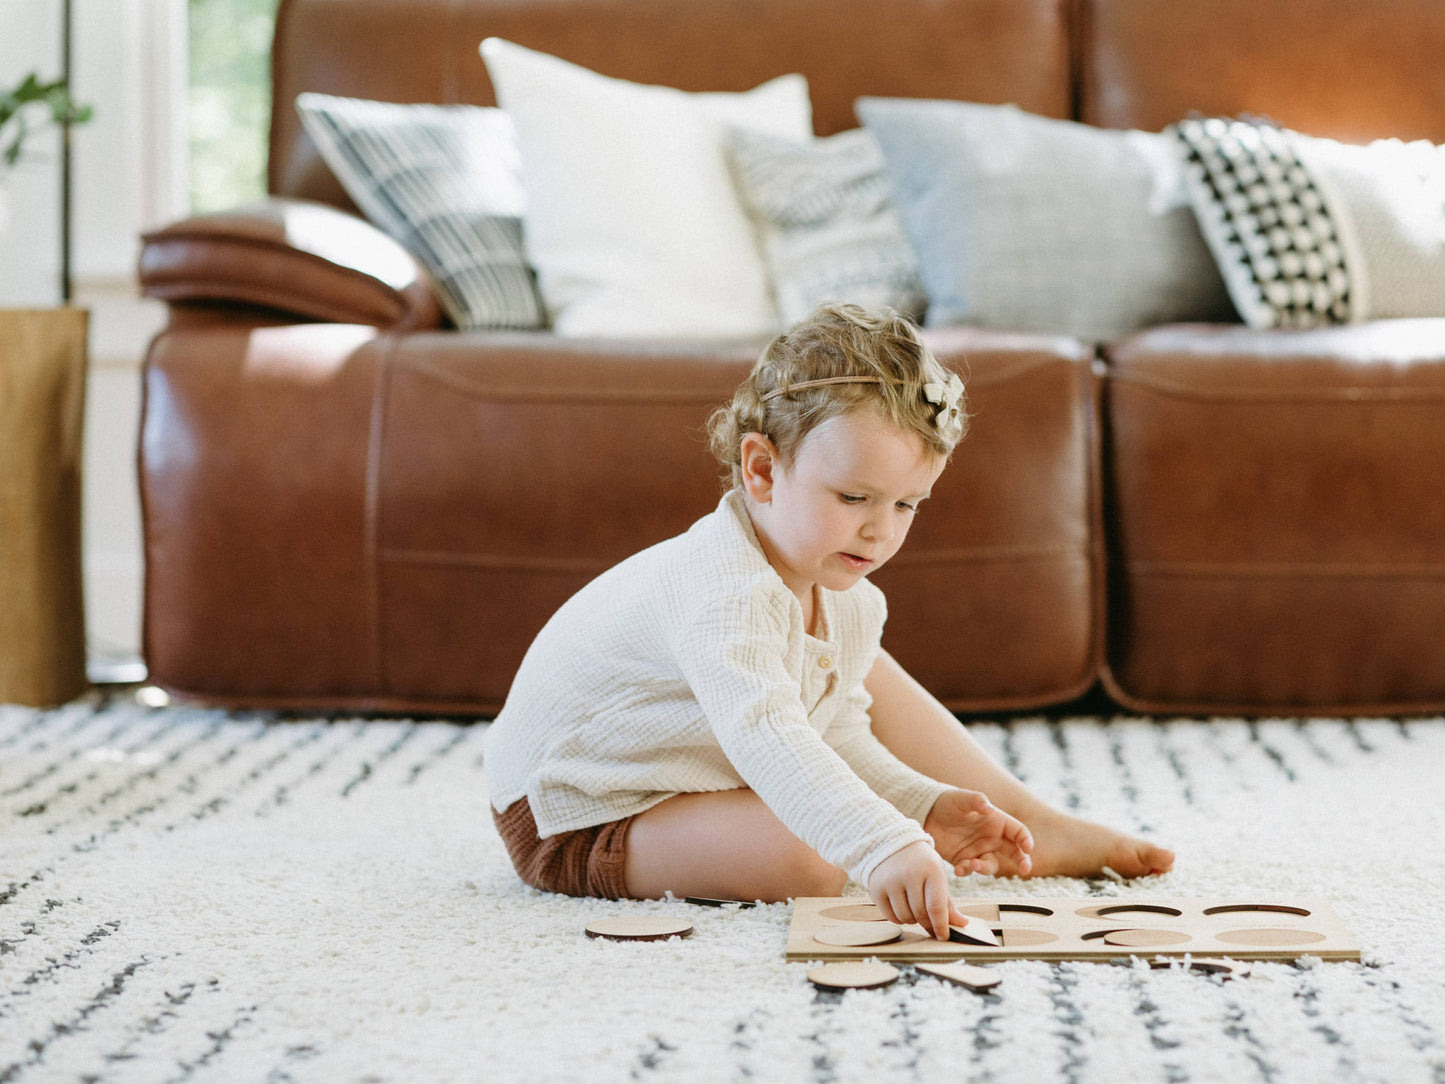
197,895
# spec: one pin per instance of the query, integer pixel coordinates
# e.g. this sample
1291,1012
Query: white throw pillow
632,220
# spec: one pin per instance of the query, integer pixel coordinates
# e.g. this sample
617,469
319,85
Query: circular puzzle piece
1142,938
858,934
638,928
853,975
975,978
1269,936
853,912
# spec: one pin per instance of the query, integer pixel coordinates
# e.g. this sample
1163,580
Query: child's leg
929,738
722,845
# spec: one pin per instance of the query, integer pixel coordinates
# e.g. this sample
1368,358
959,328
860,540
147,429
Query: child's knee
815,876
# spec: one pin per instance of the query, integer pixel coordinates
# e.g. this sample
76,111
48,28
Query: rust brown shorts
587,862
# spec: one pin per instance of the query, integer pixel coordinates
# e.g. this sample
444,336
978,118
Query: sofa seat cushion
337,516
1275,518
510,478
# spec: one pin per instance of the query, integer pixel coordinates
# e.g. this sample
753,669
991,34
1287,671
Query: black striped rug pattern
201,895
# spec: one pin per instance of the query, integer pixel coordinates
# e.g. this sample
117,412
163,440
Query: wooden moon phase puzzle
1079,928
639,928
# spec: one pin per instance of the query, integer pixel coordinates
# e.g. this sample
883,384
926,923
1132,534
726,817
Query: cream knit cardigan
686,668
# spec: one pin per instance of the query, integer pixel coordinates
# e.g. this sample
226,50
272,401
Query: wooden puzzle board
1093,928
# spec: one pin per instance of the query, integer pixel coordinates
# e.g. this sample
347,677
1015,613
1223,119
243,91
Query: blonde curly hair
852,358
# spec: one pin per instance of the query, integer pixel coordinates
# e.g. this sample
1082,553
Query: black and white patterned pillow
445,182
829,229
1278,236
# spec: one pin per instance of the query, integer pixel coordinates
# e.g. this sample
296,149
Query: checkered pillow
445,181
1308,231
1273,233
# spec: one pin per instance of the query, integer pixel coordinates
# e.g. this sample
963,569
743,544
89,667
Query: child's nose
878,527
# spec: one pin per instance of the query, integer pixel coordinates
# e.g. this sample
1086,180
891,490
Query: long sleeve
851,735
733,654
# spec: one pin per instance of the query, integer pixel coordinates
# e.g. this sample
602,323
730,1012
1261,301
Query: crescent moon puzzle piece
638,928
974,931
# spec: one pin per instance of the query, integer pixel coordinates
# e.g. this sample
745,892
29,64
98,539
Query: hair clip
946,397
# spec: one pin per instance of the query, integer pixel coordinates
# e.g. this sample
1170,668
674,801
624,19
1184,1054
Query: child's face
844,505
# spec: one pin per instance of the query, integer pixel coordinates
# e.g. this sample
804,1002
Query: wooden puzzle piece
857,934
638,928
970,975
853,975
974,931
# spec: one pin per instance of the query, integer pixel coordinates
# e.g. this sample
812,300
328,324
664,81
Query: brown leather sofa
347,503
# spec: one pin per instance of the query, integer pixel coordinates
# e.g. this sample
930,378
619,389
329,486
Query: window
230,100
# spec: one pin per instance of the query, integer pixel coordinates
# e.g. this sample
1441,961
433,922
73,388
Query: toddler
715,716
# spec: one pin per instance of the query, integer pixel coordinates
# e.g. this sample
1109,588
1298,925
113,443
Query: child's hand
910,885
974,836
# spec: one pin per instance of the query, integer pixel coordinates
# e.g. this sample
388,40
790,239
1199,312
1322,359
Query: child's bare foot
1066,846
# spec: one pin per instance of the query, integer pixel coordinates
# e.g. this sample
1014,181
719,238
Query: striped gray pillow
829,230
444,181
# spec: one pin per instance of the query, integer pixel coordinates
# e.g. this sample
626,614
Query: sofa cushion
994,602
829,229
1022,221
446,182
1275,519
633,221
1311,231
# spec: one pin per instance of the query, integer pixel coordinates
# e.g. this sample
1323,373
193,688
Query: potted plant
18,107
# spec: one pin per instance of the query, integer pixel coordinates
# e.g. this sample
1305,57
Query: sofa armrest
297,256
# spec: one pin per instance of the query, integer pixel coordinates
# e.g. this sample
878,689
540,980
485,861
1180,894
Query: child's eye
852,498
907,507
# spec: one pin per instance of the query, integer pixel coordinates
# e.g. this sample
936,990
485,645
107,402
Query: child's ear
757,457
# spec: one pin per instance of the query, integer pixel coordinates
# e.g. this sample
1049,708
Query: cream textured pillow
633,222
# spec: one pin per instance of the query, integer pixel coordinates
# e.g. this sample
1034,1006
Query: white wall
128,176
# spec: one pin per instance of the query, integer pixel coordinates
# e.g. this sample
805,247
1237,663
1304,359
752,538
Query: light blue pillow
1028,223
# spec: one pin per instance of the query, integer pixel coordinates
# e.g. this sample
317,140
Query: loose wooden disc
857,934
1141,938
975,978
639,928
853,975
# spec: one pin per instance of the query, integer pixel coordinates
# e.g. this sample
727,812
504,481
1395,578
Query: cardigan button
825,661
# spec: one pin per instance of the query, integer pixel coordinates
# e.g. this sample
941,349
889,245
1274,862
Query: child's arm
909,791
970,833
